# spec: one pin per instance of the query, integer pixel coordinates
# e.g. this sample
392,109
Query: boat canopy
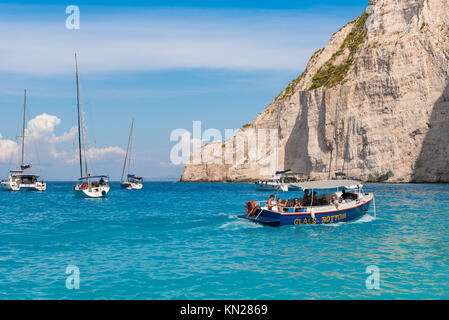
26,175
93,177
283,172
328,184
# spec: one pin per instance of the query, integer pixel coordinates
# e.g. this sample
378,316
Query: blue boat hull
276,219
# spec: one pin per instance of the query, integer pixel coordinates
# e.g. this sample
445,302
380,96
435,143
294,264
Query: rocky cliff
374,104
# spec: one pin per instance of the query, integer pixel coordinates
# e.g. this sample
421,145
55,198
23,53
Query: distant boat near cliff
132,181
281,181
18,180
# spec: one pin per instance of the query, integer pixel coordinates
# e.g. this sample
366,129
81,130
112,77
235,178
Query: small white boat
18,180
273,184
92,187
132,182
87,186
282,181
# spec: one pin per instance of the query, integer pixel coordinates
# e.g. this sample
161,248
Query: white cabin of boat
281,181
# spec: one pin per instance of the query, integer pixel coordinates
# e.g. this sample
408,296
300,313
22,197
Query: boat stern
264,217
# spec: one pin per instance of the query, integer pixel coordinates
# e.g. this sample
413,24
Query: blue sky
163,63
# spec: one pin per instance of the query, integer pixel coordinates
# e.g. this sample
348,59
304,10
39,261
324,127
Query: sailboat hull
271,187
13,185
131,185
91,192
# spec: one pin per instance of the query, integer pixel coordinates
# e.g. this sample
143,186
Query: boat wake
239,224
365,218
223,214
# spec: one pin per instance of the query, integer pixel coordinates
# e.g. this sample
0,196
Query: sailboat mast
131,137
128,150
23,127
336,138
79,118
278,127
335,144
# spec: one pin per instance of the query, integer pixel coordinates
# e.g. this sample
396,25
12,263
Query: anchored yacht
87,186
132,181
18,179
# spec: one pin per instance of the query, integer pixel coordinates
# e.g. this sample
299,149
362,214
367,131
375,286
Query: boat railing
308,208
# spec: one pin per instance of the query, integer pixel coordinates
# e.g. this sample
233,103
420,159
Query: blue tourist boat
323,202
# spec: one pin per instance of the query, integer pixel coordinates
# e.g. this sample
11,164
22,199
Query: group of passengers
307,200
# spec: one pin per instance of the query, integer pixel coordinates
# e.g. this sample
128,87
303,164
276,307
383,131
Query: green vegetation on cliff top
330,75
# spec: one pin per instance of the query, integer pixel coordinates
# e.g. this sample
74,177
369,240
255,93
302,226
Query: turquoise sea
184,241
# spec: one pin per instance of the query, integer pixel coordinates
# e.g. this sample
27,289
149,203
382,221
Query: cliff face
373,104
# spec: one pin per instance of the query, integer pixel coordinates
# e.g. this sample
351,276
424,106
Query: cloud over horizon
163,39
44,146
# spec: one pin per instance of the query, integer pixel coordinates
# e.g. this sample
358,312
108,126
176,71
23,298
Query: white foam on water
223,214
239,224
365,218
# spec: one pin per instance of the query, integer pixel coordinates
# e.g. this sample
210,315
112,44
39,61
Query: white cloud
164,164
8,150
43,145
42,126
104,153
67,136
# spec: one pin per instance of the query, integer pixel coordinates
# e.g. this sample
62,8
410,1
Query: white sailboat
87,186
18,180
132,181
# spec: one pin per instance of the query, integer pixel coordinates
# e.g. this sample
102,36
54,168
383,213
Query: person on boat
314,197
101,181
346,195
306,198
271,203
349,195
335,202
297,205
281,205
322,201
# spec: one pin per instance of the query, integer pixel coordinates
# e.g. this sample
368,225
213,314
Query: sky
164,64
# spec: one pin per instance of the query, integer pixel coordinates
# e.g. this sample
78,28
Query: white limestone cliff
373,104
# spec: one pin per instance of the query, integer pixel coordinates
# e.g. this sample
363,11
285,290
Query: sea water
185,241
